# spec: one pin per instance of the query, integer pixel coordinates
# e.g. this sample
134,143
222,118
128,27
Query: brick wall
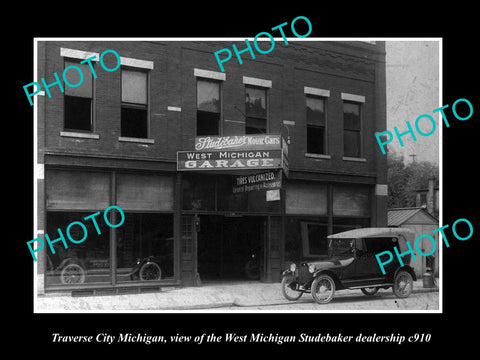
337,67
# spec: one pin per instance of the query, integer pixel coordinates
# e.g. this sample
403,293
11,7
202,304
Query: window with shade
316,125
78,113
208,107
134,112
352,129
255,110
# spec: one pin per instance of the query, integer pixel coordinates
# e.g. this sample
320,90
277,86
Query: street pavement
245,296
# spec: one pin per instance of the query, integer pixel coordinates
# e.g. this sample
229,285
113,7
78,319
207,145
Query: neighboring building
428,198
128,137
421,222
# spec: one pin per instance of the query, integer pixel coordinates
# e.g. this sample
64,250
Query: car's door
366,265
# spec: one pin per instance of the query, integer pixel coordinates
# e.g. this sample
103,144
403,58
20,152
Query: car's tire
402,284
72,274
323,289
287,292
370,291
150,271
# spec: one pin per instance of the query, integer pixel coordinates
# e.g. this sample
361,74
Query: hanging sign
228,160
239,142
259,181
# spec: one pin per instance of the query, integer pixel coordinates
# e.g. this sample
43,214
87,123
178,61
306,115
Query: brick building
117,139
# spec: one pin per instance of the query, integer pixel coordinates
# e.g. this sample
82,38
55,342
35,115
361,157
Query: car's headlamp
311,268
293,267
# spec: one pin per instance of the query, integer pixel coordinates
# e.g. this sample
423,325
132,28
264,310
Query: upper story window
134,107
256,105
352,125
316,125
209,101
255,110
208,107
78,100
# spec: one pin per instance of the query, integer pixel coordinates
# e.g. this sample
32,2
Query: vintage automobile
351,264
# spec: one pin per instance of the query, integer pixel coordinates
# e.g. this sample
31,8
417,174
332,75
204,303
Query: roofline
413,208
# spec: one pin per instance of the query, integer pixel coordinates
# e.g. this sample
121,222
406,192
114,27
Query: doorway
231,248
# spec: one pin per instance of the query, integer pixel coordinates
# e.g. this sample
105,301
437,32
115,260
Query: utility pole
413,156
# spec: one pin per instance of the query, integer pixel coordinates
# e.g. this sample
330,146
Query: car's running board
369,286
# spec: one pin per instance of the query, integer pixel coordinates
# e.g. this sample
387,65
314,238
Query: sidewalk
208,296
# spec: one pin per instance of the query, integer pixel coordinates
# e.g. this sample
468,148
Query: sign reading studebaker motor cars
237,152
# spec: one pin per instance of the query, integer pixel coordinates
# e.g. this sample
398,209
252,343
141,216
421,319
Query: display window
87,262
145,250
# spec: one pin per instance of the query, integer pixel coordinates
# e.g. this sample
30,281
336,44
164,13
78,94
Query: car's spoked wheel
288,290
370,291
403,284
72,274
323,289
150,271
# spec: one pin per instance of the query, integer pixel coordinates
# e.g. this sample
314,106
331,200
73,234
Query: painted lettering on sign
228,160
250,142
259,181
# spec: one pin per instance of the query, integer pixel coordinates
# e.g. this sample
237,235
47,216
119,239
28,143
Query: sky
412,69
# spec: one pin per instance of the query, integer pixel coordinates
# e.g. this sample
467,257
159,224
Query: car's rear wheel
288,292
323,289
403,284
369,291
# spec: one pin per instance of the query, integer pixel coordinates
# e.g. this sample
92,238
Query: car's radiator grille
303,274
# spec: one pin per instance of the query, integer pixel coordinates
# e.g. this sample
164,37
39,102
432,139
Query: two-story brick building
128,138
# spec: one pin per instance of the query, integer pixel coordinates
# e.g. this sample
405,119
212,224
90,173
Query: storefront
223,215
141,250
231,208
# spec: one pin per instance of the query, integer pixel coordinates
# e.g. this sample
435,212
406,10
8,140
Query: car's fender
406,268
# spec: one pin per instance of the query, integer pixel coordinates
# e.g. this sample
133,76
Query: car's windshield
341,247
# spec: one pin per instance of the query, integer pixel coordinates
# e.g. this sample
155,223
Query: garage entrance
231,248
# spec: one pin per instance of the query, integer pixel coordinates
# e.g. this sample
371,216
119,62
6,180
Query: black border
459,177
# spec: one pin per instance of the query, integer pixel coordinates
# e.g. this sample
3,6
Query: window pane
87,262
134,87
315,139
315,111
208,96
351,142
351,116
134,123
255,126
306,199
351,200
255,102
78,113
317,239
73,77
208,123
79,190
144,192
145,247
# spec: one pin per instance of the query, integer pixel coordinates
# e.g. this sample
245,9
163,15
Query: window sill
347,158
136,140
79,135
317,156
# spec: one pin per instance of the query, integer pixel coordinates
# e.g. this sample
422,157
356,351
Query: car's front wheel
288,292
323,289
403,284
